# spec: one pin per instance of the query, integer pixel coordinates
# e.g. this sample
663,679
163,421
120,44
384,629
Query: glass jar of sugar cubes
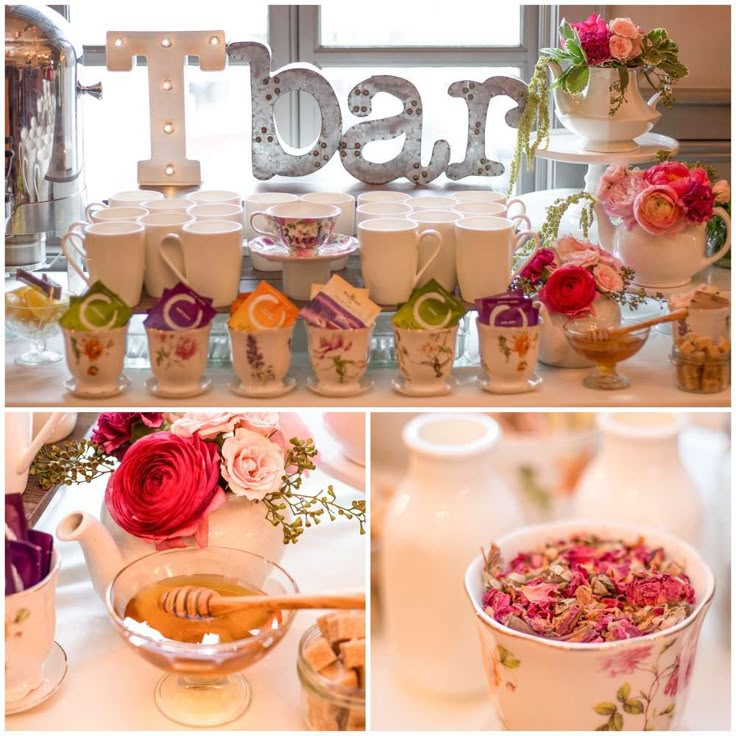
331,668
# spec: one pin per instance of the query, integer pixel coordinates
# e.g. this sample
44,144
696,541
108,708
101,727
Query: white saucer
54,672
274,250
365,384
256,392
188,393
71,386
487,385
406,388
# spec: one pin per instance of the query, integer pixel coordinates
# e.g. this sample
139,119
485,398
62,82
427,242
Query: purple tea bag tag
180,308
15,516
45,542
26,559
323,311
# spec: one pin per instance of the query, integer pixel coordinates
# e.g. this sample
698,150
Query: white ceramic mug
443,269
508,355
256,203
211,257
345,223
382,195
484,247
168,205
158,275
30,625
425,357
339,358
134,198
215,196
95,359
496,209
432,203
115,253
374,210
389,257
218,211
117,214
273,348
179,359
480,195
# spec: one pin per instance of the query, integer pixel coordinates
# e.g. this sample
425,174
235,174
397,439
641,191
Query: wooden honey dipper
193,601
601,334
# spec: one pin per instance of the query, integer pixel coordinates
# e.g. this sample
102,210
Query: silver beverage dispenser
44,180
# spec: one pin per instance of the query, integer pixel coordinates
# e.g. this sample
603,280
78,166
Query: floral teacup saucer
493,387
269,391
274,250
187,392
86,393
54,672
413,389
354,388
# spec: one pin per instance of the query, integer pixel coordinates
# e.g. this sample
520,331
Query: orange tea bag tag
265,308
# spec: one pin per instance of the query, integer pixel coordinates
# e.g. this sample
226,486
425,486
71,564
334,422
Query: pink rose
252,465
211,424
672,173
624,27
636,47
165,488
722,190
621,48
617,191
567,245
265,422
583,258
658,210
607,279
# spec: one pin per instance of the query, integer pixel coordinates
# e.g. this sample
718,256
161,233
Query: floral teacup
95,360
30,621
261,359
508,356
635,684
179,359
300,226
339,358
425,358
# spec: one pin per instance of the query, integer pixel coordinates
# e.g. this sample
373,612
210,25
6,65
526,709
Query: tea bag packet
511,309
98,308
180,308
340,305
43,284
430,307
265,308
27,551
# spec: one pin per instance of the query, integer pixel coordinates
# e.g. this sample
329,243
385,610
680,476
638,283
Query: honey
607,352
145,608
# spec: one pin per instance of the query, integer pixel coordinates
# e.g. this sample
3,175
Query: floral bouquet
617,44
570,274
169,472
665,198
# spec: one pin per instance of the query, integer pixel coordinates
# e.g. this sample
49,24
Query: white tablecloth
398,707
109,687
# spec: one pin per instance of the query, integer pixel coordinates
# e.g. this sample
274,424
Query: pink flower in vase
607,279
658,210
722,192
625,662
699,200
114,430
624,27
674,174
617,191
594,39
252,465
621,48
206,424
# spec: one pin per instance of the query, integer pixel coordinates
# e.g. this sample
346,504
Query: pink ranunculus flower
674,174
722,191
658,210
607,279
624,27
165,488
252,465
617,194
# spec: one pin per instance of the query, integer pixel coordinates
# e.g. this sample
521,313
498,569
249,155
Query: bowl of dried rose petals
590,627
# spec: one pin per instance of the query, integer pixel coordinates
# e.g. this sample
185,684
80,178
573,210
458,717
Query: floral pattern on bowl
339,356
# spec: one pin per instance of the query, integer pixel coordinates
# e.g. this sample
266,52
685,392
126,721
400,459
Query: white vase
637,478
240,524
449,505
554,349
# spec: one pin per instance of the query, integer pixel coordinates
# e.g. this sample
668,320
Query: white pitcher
21,446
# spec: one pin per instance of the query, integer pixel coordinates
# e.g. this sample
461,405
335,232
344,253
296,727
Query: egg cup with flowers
180,480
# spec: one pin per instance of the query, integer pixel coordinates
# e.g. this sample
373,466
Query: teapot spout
606,229
101,554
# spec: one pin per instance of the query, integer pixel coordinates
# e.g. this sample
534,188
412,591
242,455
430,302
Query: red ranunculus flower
569,290
165,488
117,430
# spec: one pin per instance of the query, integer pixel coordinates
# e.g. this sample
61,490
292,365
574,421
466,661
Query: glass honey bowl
584,337
203,686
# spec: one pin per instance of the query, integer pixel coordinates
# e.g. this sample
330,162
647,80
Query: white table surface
109,687
398,707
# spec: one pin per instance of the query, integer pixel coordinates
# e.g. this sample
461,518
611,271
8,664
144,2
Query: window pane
444,116
240,21
459,23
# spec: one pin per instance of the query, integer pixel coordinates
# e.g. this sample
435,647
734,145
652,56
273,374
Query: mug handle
720,212
525,235
255,227
518,219
422,236
71,237
172,239
516,200
88,210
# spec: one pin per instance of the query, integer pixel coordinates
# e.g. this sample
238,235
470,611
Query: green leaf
577,79
507,659
622,694
669,710
605,709
566,30
617,722
22,615
634,707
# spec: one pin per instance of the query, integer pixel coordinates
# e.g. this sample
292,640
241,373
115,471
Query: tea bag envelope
340,305
430,307
98,308
180,308
509,309
27,551
262,309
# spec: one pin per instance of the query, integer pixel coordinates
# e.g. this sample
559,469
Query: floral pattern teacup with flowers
339,357
178,358
95,358
261,358
425,357
508,355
